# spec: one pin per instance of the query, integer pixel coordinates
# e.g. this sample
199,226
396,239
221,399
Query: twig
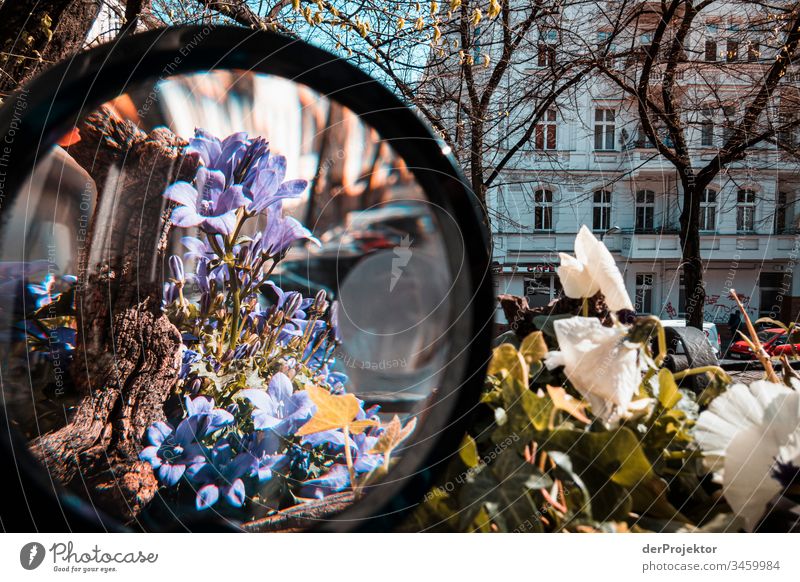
761,354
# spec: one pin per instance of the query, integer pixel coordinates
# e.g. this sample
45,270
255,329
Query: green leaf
616,453
771,321
469,452
507,361
506,502
533,347
524,409
668,394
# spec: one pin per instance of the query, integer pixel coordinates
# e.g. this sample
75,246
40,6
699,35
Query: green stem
662,345
237,307
585,307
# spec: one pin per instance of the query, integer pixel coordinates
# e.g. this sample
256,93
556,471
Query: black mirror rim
45,108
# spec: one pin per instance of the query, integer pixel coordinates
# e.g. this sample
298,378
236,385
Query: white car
710,329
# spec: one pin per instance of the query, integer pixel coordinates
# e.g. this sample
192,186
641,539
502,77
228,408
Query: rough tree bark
128,356
37,33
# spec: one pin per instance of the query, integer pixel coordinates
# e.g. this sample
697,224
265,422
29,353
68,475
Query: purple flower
264,447
169,454
336,479
279,408
223,156
268,186
280,233
209,204
188,358
197,248
289,298
222,476
202,419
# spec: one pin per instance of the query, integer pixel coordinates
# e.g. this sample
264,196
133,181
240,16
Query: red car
770,339
780,346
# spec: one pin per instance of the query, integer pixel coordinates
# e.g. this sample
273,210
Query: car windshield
767,335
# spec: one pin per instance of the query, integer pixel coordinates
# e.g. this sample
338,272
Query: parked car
311,269
709,328
770,339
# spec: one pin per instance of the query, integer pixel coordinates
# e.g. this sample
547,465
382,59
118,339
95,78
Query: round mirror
242,287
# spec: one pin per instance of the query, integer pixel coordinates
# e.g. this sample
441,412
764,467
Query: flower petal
223,224
183,193
186,217
575,279
605,274
235,493
207,496
170,474
157,432
150,455
280,387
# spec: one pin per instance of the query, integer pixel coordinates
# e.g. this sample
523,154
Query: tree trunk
128,351
476,162
695,292
37,33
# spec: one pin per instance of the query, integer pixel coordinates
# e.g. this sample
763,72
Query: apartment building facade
589,163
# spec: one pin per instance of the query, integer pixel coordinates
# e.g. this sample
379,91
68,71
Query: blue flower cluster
246,362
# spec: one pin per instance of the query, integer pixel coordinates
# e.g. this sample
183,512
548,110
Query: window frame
545,135
605,129
601,210
781,211
643,292
648,202
542,210
710,51
745,210
708,208
731,50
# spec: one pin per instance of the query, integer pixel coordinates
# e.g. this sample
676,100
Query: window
545,134
642,140
541,288
707,128
772,288
753,52
745,210
711,51
781,207
543,210
546,55
729,113
601,220
604,129
732,51
708,210
644,293
787,129
645,209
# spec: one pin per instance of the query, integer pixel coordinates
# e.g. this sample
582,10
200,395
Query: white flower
599,363
593,269
743,434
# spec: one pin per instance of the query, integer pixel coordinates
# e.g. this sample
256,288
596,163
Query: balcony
651,244
665,244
